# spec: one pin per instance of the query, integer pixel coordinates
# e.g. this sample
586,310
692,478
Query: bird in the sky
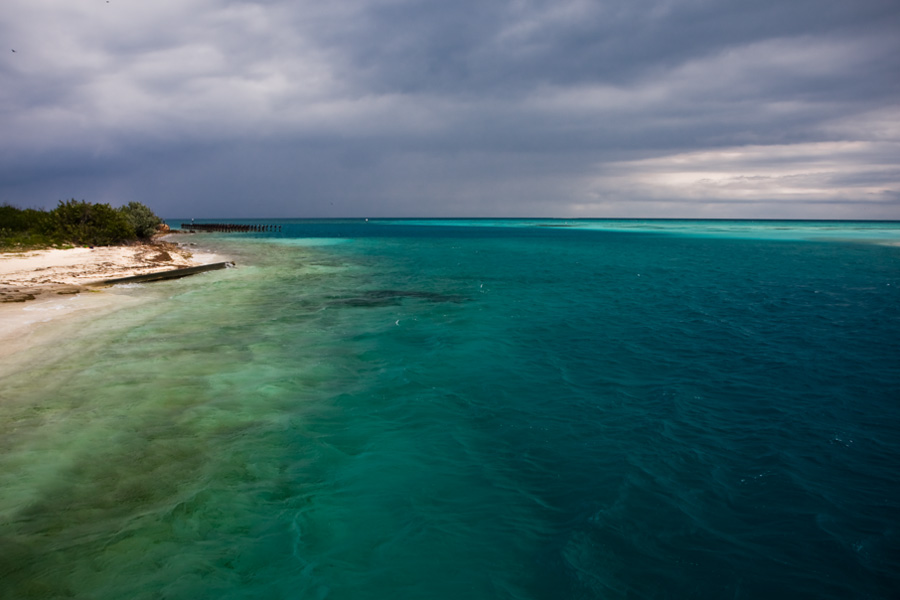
13,50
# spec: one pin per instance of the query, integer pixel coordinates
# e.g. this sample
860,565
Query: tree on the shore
142,219
86,224
76,222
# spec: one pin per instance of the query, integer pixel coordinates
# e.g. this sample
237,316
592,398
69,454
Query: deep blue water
478,409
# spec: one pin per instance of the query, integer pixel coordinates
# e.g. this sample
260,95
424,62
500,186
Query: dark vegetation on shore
75,223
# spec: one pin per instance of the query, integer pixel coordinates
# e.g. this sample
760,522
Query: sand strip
42,287
82,266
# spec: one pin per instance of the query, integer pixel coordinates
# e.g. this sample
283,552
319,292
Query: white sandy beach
38,289
82,266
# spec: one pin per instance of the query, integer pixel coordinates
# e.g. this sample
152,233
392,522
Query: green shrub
25,229
89,224
141,218
74,222
16,219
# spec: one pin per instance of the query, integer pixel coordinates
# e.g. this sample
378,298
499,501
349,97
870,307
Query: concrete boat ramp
161,275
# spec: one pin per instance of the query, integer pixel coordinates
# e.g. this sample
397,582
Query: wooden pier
229,228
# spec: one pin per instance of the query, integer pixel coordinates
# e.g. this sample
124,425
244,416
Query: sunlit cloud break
814,173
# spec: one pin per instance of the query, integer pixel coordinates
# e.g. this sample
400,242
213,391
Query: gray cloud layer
428,108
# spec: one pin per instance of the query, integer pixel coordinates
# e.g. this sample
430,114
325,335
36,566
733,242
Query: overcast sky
393,108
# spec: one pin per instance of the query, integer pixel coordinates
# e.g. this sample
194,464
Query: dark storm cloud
477,47
403,107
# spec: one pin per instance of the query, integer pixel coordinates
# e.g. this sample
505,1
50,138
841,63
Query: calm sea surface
472,409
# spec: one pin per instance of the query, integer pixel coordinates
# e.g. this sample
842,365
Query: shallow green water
403,410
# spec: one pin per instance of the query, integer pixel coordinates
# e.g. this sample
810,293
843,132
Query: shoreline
42,289
37,272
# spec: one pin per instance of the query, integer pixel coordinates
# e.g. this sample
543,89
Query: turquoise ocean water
472,409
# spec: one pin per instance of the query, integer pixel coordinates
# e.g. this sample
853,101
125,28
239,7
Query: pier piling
229,228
